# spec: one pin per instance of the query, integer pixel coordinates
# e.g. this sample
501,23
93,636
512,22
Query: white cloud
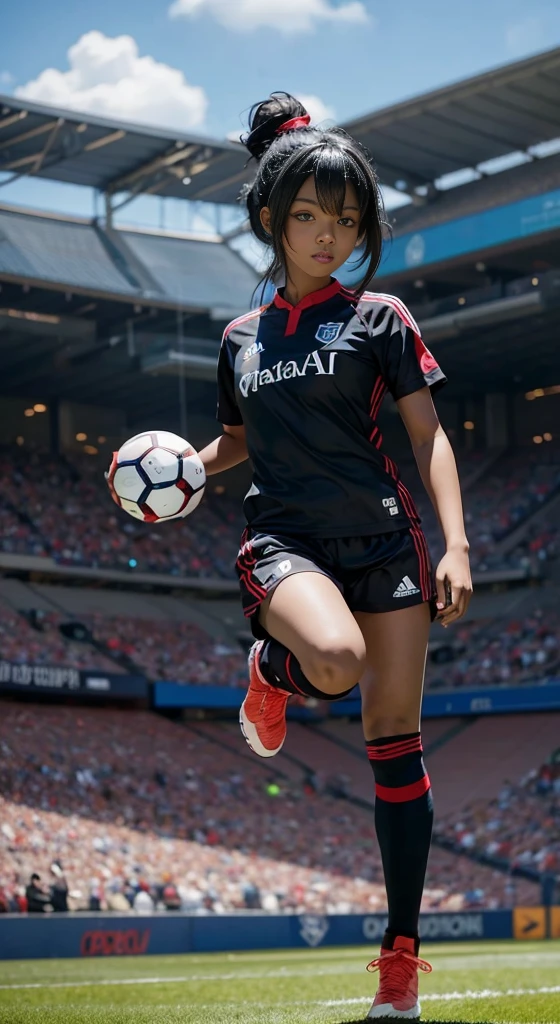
107,76
526,35
318,110
286,16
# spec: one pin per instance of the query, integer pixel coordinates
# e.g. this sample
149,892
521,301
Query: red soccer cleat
262,716
397,996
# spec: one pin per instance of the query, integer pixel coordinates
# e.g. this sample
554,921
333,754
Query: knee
336,666
378,723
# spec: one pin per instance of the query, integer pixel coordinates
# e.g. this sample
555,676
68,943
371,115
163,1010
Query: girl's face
316,242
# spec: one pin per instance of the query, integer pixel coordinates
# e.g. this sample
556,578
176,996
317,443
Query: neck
299,285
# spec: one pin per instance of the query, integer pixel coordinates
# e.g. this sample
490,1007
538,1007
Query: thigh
392,683
307,613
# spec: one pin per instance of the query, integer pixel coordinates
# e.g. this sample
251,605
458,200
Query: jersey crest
328,332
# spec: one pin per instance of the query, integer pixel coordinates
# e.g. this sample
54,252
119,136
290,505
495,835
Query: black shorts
381,573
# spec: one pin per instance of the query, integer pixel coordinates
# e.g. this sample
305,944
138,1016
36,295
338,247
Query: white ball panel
193,471
128,483
132,508
190,507
166,502
161,466
173,441
134,448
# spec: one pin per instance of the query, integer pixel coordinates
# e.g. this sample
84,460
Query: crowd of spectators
510,492
51,505
488,652
64,510
128,805
482,652
31,639
177,651
521,826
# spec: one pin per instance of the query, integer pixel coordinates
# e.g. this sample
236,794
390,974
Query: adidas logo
406,588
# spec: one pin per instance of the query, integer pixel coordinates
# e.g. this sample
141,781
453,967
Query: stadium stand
127,800
501,652
60,506
514,489
66,510
41,643
78,254
518,825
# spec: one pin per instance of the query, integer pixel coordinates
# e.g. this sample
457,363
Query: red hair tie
294,122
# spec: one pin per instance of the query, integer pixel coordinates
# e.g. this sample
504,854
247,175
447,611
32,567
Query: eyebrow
313,202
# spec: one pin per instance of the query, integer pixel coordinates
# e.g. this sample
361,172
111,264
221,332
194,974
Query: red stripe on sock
395,755
390,750
401,794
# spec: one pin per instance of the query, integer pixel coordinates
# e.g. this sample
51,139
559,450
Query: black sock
403,822
282,670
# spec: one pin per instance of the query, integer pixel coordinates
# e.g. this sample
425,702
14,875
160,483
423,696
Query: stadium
163,847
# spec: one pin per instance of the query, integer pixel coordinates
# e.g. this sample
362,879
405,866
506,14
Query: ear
265,219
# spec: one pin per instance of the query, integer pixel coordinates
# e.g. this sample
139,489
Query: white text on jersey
283,371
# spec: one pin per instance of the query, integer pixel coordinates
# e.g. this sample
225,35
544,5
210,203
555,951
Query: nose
325,236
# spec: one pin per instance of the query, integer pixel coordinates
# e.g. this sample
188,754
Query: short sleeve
406,364
228,411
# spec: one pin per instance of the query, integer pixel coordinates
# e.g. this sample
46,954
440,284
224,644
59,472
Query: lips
323,257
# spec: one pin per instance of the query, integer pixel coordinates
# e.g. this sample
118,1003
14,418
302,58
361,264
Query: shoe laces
397,966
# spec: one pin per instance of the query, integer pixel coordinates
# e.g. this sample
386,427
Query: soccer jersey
307,381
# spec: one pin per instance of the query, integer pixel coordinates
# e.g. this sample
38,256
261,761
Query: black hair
287,159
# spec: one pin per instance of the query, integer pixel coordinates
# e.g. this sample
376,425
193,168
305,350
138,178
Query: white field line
451,997
519,960
445,997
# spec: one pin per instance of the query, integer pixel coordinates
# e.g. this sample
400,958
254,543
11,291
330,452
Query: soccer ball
156,476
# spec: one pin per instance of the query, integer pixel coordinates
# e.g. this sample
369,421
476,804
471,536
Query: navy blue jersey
307,382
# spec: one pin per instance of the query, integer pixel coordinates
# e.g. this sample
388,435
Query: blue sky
202,63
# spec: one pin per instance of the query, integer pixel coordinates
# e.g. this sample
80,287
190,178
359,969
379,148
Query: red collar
313,299
310,300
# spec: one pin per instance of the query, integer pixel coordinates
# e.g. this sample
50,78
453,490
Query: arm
437,467
225,451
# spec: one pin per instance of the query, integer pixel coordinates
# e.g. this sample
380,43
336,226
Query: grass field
481,983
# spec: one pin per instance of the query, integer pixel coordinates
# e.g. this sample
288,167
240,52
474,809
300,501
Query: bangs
333,170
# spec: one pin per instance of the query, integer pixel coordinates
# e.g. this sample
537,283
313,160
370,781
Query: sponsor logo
313,928
285,370
406,588
253,350
415,251
98,683
328,332
284,567
103,942
432,926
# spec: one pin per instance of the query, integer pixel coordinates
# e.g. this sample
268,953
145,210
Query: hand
453,575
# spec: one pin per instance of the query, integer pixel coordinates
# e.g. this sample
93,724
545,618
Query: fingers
460,598
441,595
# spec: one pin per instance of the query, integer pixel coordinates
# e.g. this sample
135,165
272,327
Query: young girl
334,569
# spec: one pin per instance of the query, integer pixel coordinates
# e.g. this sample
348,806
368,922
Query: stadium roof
416,142
114,156
460,126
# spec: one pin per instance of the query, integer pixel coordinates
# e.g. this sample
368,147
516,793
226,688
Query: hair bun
266,117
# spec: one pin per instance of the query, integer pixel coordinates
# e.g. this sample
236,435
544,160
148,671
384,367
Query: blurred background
125,783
